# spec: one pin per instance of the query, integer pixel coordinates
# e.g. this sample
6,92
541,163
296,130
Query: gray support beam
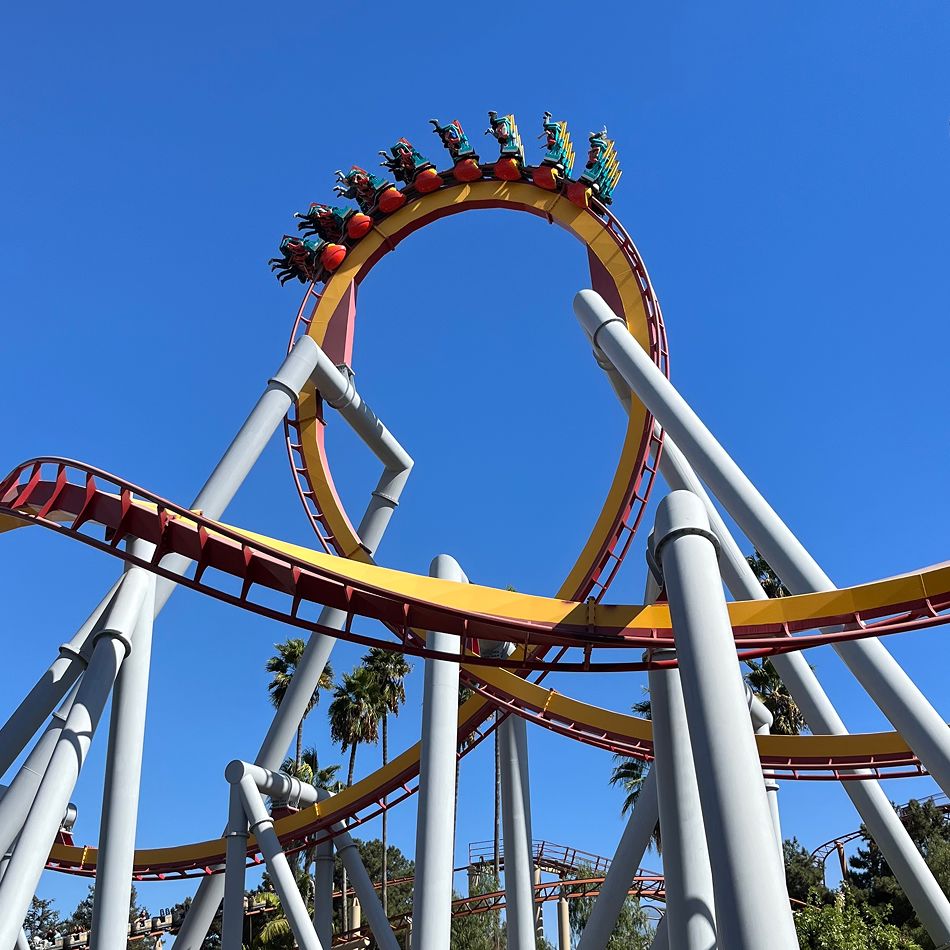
623,866
21,942
212,500
869,799
339,391
18,798
49,806
51,687
323,892
878,672
633,845
661,936
232,917
435,823
317,653
120,797
261,825
690,899
563,924
516,830
365,891
752,909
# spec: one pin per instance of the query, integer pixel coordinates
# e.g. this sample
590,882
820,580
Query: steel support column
232,915
878,672
661,936
18,798
364,889
563,924
752,909
296,701
323,891
690,899
868,797
516,830
120,796
261,825
629,854
51,687
44,818
623,866
435,823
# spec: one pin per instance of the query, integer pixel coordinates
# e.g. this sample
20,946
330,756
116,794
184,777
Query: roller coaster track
548,857
48,492
836,845
289,583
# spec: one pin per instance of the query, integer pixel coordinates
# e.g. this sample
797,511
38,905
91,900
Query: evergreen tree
42,920
803,875
632,930
873,880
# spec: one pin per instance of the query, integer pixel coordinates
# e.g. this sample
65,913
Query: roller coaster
714,788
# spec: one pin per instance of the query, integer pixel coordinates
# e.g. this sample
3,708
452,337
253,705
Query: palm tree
763,677
354,718
388,671
308,769
631,773
769,580
354,714
276,933
282,666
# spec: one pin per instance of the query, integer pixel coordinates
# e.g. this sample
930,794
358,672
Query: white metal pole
690,899
878,672
18,798
232,916
364,889
752,909
335,386
630,850
51,687
435,823
52,797
869,798
323,891
120,797
516,830
261,825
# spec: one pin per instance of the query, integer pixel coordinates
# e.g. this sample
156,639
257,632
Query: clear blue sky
786,178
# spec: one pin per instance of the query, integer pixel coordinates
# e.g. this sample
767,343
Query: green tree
282,667
481,931
803,875
388,670
354,719
81,918
354,714
275,932
766,576
42,919
632,931
308,769
630,773
401,870
762,676
873,880
847,923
